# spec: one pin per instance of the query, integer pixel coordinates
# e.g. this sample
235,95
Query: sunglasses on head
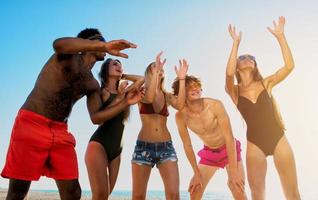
243,57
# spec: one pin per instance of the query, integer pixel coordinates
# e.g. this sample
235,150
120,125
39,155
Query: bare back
205,124
63,80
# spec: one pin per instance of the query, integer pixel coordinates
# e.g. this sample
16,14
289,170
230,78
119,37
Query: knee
237,193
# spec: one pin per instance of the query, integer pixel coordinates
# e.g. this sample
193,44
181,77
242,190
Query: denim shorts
151,154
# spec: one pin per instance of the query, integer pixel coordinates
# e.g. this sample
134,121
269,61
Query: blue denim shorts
151,154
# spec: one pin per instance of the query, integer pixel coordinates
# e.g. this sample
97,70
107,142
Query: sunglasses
243,57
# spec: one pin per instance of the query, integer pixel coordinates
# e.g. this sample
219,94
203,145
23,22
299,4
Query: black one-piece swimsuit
110,133
263,128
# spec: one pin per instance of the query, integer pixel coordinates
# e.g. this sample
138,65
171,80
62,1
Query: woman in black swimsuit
265,129
103,151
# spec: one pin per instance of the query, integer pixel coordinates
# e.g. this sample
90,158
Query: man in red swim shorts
208,119
40,143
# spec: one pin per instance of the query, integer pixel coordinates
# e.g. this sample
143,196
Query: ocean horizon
151,194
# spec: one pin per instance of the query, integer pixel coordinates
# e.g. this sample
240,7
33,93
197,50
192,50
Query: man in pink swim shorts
208,119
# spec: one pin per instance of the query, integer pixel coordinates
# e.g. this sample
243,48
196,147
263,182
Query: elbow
291,66
180,106
58,45
95,120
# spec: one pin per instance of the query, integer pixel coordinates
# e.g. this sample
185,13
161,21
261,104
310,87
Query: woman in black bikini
102,156
265,129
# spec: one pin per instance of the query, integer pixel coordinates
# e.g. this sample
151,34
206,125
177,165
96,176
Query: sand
37,195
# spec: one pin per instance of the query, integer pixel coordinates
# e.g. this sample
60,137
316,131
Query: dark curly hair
88,33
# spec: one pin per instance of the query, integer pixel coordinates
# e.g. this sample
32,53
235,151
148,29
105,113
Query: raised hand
158,64
135,95
115,47
236,37
183,69
278,29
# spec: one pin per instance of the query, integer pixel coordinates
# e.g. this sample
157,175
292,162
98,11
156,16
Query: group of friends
41,144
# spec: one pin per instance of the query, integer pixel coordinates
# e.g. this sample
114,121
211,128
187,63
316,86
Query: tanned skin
64,79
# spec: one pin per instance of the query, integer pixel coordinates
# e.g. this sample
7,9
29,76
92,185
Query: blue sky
195,30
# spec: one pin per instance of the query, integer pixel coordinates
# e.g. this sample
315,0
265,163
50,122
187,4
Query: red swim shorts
40,146
217,157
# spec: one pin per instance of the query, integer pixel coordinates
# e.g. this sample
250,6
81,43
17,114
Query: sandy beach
38,195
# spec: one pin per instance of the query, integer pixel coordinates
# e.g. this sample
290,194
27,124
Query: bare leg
96,164
113,169
207,173
170,175
69,189
140,176
18,189
286,167
256,170
238,194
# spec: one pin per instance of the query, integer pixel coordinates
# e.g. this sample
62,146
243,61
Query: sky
195,30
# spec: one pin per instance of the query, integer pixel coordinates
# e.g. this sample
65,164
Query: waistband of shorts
221,148
40,118
154,144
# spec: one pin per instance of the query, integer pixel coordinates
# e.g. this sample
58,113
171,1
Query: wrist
181,78
280,37
236,43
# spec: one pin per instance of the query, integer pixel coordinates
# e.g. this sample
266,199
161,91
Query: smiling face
115,68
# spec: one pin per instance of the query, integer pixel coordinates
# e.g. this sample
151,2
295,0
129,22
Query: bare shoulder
215,104
211,102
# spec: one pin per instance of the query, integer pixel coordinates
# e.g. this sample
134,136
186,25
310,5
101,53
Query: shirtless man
40,142
208,119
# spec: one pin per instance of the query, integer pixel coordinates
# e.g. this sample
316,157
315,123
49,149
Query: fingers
270,30
158,56
282,20
118,53
185,63
127,44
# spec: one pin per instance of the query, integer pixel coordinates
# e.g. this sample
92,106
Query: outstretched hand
278,29
158,64
236,37
115,47
183,69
